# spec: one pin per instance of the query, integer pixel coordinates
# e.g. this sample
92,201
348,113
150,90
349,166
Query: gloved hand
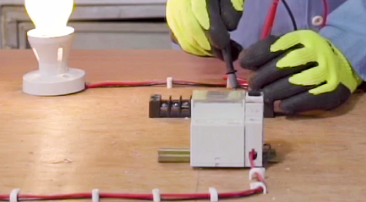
302,69
201,27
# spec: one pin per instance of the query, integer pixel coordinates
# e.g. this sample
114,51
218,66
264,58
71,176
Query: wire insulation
242,83
326,12
268,25
290,14
164,197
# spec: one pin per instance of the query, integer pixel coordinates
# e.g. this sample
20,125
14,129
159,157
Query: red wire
22,197
252,157
133,196
242,83
326,12
111,84
270,19
268,25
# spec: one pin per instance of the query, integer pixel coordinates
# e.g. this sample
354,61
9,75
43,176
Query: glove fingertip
246,61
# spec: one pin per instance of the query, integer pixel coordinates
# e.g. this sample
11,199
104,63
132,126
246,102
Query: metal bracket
182,155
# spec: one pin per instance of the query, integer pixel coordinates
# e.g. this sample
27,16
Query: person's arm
346,29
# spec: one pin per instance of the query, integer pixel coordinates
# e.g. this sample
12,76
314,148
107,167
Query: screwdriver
232,81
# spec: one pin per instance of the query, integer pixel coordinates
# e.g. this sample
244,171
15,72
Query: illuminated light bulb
50,17
51,42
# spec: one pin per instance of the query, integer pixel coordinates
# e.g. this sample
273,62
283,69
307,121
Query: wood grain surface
103,138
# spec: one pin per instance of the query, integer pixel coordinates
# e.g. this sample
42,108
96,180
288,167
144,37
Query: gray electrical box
226,126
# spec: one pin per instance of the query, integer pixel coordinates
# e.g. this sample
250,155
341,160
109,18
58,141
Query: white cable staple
214,195
169,82
95,195
156,195
260,171
14,195
255,185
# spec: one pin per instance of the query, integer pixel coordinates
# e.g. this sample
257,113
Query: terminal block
181,108
170,108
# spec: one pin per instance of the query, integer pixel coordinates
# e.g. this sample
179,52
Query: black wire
291,14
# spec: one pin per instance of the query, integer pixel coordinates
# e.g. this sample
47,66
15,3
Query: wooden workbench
103,138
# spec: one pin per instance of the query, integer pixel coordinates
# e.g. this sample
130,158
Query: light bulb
51,41
50,17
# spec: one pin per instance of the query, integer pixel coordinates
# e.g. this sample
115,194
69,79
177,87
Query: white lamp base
54,77
34,83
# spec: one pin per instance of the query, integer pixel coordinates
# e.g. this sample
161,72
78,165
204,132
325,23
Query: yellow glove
302,69
201,27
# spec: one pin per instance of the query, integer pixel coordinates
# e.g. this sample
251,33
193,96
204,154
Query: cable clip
214,195
13,197
255,185
95,195
169,82
156,195
260,171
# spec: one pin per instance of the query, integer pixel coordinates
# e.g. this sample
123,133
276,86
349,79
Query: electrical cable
290,14
326,11
242,83
164,197
268,25
252,155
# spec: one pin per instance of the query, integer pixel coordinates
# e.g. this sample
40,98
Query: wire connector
260,171
255,185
